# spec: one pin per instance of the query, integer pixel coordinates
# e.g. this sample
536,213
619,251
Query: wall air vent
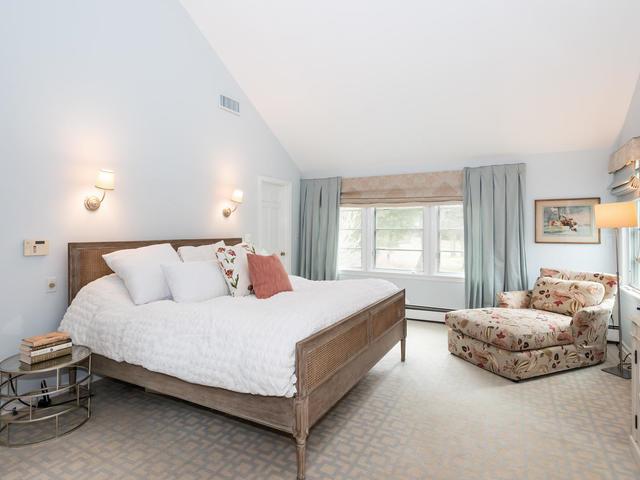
229,104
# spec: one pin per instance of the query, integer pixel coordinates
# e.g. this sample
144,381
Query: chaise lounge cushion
565,296
513,329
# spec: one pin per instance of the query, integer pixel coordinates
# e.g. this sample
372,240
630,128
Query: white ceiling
361,87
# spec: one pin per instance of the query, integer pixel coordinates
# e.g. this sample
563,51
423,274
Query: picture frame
566,220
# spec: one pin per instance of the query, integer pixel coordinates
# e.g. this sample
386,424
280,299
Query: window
398,239
421,240
450,239
350,239
633,257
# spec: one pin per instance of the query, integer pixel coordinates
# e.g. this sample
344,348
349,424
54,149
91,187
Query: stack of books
45,347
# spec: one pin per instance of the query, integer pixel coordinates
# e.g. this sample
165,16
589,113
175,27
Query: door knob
282,254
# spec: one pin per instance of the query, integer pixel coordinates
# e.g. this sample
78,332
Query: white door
275,218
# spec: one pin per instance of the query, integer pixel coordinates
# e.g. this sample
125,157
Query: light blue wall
130,85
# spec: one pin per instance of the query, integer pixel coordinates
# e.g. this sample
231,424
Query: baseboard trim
635,448
422,313
425,308
435,322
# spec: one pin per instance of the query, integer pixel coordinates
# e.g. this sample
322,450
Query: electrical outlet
52,284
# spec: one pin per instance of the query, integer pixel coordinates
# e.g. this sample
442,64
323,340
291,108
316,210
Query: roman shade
626,186
625,155
413,188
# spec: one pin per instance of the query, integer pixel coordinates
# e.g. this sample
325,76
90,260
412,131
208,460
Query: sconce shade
105,180
237,196
616,215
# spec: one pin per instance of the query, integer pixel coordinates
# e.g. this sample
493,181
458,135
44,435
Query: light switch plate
36,247
52,284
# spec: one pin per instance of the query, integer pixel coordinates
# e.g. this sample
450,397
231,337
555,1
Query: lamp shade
237,196
106,180
616,215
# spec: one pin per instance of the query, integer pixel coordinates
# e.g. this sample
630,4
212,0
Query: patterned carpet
435,417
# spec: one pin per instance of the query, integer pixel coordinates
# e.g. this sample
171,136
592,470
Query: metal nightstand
70,405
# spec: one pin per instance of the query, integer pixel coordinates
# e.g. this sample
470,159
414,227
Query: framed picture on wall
570,220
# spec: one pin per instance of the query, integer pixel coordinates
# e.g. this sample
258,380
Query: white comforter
241,344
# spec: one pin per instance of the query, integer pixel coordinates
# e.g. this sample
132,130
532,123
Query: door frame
288,207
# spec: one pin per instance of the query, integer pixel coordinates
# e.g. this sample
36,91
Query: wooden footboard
334,360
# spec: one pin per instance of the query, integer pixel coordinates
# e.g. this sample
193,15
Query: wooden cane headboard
86,263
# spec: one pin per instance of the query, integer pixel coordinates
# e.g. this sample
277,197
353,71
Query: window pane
349,258
633,264
350,239
451,216
399,260
398,238
402,239
452,240
350,218
633,255
451,262
399,217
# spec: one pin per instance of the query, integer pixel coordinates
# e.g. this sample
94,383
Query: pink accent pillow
268,275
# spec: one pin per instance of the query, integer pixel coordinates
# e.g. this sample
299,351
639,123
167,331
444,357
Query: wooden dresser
635,387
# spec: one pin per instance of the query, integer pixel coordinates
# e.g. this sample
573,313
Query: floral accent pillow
608,281
235,267
565,296
514,299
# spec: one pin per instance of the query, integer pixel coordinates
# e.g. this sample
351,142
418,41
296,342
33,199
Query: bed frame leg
403,342
301,432
301,456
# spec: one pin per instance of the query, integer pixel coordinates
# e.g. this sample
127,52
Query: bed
326,364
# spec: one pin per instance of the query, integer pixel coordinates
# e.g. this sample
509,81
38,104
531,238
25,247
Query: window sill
402,275
628,289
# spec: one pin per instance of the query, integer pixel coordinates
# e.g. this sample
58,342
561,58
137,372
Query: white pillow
235,267
195,281
201,253
139,269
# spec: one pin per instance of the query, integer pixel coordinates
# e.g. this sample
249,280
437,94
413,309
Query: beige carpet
435,417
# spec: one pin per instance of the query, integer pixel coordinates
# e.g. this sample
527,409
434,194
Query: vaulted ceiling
367,86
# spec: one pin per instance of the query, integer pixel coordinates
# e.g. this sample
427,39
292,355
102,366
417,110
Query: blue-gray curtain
319,219
494,250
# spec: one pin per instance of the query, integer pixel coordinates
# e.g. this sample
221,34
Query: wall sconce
105,181
236,197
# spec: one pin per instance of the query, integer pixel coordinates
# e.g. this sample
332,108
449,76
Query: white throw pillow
195,281
140,270
235,267
201,253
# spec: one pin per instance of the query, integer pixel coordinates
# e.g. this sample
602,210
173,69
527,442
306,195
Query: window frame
362,240
430,248
437,245
631,271
631,266
374,234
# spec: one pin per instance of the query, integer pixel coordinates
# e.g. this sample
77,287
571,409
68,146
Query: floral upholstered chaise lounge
559,325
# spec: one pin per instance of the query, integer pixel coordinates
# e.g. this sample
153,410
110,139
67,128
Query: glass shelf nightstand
22,421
